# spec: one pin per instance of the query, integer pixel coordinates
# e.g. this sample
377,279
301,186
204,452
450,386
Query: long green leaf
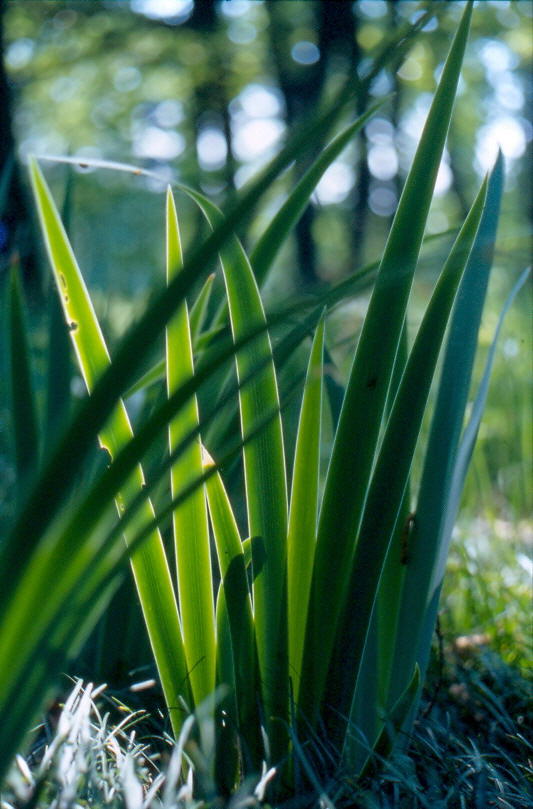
393,465
264,469
303,512
197,318
366,393
237,604
149,564
59,356
370,697
191,532
460,470
199,308
420,591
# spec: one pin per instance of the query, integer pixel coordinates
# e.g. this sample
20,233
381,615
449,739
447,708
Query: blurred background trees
206,89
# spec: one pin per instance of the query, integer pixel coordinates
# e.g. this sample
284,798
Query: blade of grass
391,474
460,469
444,436
264,469
199,308
190,528
149,565
58,395
370,697
303,513
366,393
238,606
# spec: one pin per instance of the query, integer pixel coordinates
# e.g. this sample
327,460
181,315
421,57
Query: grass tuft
472,746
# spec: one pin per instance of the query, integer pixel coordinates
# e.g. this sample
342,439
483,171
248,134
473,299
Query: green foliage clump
315,620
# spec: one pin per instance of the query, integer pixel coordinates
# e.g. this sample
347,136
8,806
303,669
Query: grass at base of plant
469,748
472,745
487,589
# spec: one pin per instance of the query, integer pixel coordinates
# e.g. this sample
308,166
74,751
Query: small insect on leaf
407,534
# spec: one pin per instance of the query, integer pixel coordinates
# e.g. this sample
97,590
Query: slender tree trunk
362,186
396,101
211,95
17,228
302,88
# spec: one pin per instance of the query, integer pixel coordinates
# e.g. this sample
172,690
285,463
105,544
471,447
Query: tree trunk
17,227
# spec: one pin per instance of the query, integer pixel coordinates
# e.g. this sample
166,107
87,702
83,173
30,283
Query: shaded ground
472,747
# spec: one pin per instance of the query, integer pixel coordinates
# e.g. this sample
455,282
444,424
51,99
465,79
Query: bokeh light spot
505,133
174,11
382,201
19,53
335,184
212,148
253,138
383,162
305,53
158,144
258,101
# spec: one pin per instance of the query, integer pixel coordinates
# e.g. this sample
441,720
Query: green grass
487,590
469,747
